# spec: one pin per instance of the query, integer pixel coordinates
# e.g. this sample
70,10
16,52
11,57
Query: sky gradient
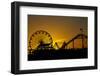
61,28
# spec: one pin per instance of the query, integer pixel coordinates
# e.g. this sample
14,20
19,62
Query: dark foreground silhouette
58,54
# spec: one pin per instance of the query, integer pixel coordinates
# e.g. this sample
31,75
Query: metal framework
79,36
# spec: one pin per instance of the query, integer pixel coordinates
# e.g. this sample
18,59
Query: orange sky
61,28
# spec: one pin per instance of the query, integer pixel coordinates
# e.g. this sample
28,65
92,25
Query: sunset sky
61,28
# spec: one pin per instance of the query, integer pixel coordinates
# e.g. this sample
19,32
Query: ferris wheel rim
39,32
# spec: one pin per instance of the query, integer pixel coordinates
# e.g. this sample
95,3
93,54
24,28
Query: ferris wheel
39,37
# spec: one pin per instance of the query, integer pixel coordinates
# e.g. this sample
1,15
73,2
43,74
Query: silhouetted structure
44,46
79,36
58,54
45,51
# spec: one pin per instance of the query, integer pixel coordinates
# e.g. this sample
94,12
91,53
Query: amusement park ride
42,40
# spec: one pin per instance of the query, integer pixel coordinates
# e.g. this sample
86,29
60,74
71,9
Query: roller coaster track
79,36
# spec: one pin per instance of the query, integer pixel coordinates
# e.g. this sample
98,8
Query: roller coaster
65,44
